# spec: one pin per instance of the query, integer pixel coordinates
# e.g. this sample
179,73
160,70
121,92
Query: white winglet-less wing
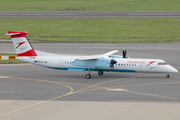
106,55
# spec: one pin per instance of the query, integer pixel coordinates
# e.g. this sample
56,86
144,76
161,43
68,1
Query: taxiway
34,92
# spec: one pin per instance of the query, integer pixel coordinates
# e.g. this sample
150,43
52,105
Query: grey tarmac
113,14
34,92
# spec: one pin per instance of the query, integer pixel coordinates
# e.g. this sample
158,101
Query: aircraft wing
106,55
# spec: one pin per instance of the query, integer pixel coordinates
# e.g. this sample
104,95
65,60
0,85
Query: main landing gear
100,73
168,76
88,76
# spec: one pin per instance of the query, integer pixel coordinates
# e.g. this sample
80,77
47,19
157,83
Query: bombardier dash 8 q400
108,62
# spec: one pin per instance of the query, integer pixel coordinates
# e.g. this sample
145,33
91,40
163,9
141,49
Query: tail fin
21,44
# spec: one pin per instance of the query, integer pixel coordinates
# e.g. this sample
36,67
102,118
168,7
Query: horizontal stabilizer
14,34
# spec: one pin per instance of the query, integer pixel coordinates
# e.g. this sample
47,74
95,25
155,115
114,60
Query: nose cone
175,70
172,69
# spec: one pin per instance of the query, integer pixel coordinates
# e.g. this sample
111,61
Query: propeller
124,53
112,64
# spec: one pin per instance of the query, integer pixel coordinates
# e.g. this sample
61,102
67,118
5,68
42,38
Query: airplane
108,62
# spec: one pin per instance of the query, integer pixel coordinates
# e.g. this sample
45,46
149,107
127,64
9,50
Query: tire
88,76
167,76
100,72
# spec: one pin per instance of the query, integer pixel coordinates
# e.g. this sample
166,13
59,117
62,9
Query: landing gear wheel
100,72
167,76
88,76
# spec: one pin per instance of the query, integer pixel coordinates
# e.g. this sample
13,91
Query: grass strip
96,30
90,5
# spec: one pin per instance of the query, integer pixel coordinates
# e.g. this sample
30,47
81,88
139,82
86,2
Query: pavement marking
4,76
85,90
76,84
148,84
96,85
152,95
116,89
53,82
41,101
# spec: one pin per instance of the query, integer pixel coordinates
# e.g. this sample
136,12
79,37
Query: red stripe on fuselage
151,63
28,53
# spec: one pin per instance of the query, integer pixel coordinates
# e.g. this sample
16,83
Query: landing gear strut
168,76
100,73
88,76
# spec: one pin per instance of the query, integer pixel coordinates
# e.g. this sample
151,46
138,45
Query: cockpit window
165,63
162,63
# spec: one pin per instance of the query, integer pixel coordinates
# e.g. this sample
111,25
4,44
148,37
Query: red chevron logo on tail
19,44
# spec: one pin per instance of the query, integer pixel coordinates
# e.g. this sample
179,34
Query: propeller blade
124,53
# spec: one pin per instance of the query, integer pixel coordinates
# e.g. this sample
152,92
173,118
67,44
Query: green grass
95,30
89,5
9,61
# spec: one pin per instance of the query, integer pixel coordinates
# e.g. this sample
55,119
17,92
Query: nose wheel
168,76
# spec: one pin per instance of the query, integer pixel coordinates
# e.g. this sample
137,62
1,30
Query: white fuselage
63,62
